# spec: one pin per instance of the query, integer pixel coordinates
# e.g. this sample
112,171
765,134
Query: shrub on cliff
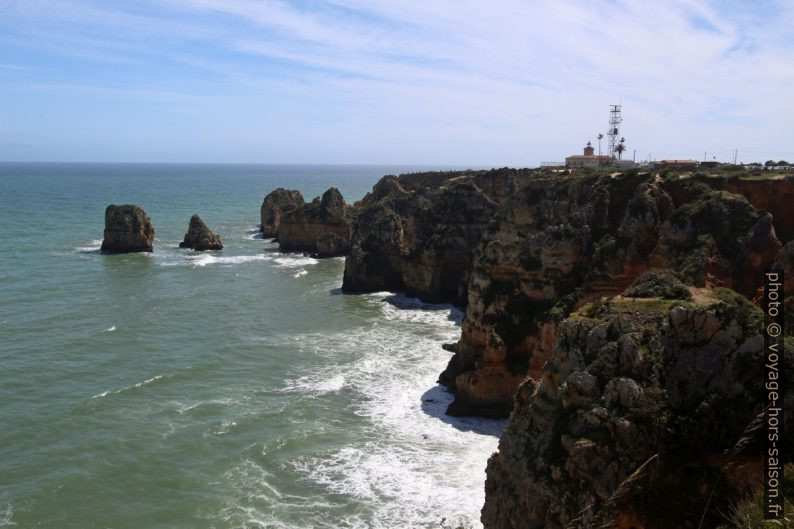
658,283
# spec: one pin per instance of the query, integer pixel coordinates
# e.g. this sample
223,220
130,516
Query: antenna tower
614,127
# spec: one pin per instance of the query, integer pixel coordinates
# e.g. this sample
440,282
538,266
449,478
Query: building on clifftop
588,159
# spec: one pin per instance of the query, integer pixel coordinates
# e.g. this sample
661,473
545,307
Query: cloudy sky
479,83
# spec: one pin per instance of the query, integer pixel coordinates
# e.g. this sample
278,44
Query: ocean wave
206,259
93,247
6,516
128,388
413,464
294,261
315,385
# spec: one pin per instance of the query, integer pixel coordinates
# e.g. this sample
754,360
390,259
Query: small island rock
127,229
200,237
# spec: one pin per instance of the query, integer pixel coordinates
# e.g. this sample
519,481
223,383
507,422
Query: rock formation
127,229
636,419
200,237
559,241
301,228
419,241
274,206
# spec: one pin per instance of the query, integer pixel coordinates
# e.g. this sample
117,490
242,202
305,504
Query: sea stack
200,237
277,203
127,229
302,228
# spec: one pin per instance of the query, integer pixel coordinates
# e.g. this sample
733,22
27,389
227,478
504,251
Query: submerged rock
200,237
127,229
274,206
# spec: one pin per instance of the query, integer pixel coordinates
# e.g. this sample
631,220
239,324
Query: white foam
110,329
127,388
294,261
92,247
5,517
315,385
206,259
413,465
301,273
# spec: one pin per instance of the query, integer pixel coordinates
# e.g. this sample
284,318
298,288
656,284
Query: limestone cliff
127,229
301,228
561,240
277,203
420,241
639,418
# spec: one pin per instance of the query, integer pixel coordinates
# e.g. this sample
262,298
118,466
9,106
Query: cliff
418,234
560,241
327,219
639,419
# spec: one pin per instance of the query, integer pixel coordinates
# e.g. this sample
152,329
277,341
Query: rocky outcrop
772,194
638,419
200,237
331,245
276,204
302,228
559,241
420,241
127,229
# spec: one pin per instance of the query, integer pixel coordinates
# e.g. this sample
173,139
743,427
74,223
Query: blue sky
476,83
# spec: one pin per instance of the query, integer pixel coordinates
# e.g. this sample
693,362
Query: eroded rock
200,237
127,229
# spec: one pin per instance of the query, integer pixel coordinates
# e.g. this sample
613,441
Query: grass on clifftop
749,513
658,283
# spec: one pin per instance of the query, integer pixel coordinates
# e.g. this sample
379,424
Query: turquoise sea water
225,389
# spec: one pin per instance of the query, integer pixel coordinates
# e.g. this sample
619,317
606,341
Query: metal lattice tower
614,127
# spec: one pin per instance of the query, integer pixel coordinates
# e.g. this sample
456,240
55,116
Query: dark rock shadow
403,301
435,401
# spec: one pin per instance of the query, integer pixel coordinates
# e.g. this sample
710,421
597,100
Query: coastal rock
200,237
127,229
331,245
635,420
419,241
538,252
277,203
560,241
301,228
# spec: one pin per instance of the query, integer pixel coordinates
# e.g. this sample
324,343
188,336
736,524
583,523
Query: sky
446,82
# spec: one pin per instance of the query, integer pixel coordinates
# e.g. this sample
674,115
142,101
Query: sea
228,389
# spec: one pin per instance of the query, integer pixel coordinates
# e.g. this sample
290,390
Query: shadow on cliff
435,401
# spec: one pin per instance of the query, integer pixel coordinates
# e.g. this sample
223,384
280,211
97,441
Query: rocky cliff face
640,408
127,229
562,240
419,240
276,204
301,228
200,237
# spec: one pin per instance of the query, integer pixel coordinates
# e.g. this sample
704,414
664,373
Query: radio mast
614,128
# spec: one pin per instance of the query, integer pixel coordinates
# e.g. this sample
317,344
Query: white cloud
478,82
